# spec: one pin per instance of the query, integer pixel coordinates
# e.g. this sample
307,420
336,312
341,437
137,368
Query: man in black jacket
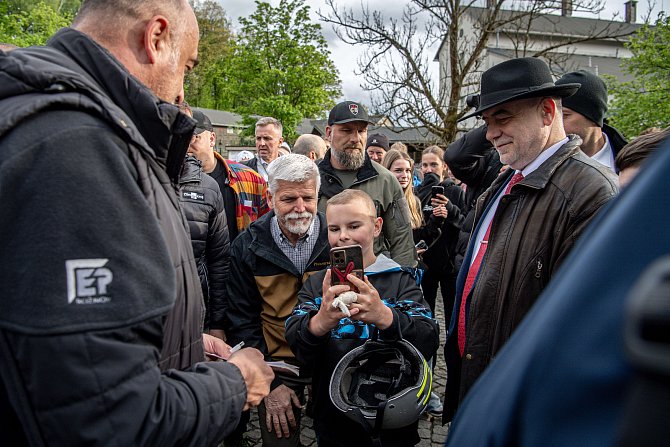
270,261
100,297
201,200
474,161
584,115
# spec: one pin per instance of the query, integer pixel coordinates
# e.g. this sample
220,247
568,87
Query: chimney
566,7
630,11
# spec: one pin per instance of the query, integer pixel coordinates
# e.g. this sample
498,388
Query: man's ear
548,107
378,226
212,139
268,195
156,38
329,132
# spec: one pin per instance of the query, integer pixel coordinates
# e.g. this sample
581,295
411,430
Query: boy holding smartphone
389,300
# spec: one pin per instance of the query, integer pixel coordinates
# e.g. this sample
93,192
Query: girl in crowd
439,258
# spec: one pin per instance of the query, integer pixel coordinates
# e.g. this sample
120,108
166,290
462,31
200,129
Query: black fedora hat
525,77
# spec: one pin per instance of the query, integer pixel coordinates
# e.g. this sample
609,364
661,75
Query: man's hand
279,411
328,316
369,306
257,374
216,346
218,333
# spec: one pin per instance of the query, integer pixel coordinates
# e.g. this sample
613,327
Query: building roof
222,119
554,25
598,65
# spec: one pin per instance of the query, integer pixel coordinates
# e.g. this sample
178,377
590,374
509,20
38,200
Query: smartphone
421,245
436,190
343,261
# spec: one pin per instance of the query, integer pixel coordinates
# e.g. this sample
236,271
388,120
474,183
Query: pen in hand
234,349
237,347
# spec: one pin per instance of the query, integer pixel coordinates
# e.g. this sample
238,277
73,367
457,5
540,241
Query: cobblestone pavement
431,431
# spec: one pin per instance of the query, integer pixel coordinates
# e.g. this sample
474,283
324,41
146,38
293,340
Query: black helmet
382,384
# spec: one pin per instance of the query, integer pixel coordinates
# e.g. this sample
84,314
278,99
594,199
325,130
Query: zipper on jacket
538,272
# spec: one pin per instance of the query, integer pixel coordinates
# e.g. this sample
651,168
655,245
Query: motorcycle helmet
382,384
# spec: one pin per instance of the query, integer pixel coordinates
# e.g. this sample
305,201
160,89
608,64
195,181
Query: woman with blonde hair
402,166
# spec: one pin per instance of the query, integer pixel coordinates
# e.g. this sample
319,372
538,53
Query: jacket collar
191,171
163,127
264,246
540,177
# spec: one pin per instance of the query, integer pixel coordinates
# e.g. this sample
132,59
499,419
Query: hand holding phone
435,190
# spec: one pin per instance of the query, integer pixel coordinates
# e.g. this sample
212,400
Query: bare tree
396,65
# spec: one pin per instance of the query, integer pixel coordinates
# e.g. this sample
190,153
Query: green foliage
30,24
643,102
280,67
204,86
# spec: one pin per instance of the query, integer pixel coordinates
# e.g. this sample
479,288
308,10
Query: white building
527,36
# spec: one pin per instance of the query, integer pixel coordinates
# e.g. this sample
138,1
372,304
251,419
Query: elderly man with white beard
269,263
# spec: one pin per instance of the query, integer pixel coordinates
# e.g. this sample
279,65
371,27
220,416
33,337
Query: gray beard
352,161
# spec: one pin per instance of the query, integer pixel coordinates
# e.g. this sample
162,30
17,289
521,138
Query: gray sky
345,56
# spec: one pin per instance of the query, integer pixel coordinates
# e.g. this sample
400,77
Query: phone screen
343,261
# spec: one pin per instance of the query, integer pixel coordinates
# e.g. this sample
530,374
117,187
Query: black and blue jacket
412,317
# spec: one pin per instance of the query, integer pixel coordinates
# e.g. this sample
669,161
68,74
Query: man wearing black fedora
584,115
526,222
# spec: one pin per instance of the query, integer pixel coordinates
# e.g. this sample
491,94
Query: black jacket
202,203
411,317
474,161
440,255
98,279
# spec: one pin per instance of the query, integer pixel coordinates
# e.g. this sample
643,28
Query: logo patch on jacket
87,281
193,196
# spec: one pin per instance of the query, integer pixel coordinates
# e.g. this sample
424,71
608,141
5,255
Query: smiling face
354,223
519,129
376,153
402,169
294,204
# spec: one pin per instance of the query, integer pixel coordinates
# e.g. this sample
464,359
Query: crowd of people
155,291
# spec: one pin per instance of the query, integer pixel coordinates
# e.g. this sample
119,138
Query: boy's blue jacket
411,316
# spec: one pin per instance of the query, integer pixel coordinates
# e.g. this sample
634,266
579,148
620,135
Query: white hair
293,168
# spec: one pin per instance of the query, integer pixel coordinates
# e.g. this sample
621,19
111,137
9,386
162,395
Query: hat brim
562,91
350,120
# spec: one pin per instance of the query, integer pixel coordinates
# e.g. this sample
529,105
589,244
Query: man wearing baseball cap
526,222
346,165
377,146
243,189
584,115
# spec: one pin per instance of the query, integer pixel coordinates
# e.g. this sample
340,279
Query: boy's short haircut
351,195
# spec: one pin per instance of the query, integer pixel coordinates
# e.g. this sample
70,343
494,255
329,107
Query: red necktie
474,270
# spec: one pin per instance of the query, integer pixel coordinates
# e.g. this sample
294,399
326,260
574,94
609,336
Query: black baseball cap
378,140
346,112
202,122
